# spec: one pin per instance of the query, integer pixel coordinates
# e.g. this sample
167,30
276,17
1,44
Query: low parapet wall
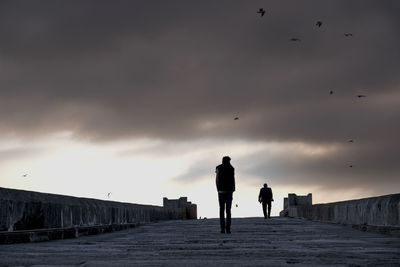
26,210
380,211
378,214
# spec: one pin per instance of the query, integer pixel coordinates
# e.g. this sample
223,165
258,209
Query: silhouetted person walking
225,181
265,197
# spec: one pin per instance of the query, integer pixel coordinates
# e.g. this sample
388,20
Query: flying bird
236,118
319,23
361,96
108,195
261,11
351,166
331,92
237,205
351,141
348,34
295,40
25,175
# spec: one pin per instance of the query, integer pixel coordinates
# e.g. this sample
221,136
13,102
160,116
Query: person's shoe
222,231
228,231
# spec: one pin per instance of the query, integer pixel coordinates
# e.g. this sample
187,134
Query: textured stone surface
374,211
26,210
383,210
294,203
253,242
189,210
26,236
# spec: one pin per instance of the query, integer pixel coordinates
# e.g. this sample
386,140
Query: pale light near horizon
144,171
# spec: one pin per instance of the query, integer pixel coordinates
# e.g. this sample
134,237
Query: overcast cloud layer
182,70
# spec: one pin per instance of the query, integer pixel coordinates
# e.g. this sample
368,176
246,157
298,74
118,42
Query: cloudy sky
138,98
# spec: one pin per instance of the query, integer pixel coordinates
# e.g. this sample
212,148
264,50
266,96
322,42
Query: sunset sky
138,98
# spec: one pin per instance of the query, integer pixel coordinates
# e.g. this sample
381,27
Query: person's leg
228,215
228,212
221,200
264,207
269,209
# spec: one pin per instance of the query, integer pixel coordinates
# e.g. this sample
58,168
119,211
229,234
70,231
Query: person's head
265,185
226,159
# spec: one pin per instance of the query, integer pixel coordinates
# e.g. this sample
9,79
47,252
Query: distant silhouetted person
225,181
265,197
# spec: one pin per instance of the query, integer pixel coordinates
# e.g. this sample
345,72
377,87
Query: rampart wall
26,210
380,213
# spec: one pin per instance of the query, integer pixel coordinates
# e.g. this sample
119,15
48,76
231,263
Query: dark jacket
225,179
265,195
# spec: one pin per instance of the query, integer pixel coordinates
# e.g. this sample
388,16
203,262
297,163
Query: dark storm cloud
182,70
374,167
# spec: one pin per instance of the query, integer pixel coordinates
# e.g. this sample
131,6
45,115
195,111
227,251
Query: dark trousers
225,202
264,206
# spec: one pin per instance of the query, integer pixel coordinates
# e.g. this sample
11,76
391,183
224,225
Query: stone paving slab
253,242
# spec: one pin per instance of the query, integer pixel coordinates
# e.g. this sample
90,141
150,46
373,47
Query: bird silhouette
351,141
351,166
361,96
261,11
319,23
236,118
348,34
108,195
25,175
237,205
295,40
331,92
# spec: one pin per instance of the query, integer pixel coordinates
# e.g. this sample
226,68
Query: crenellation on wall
189,210
295,206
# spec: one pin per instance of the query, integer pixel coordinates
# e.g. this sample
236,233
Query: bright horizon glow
144,171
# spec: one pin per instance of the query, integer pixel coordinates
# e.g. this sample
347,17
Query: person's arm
234,180
272,196
216,178
260,196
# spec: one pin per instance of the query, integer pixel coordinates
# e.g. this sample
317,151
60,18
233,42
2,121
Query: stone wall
188,209
294,205
26,210
374,211
382,210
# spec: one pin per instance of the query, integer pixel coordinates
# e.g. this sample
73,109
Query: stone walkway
253,242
